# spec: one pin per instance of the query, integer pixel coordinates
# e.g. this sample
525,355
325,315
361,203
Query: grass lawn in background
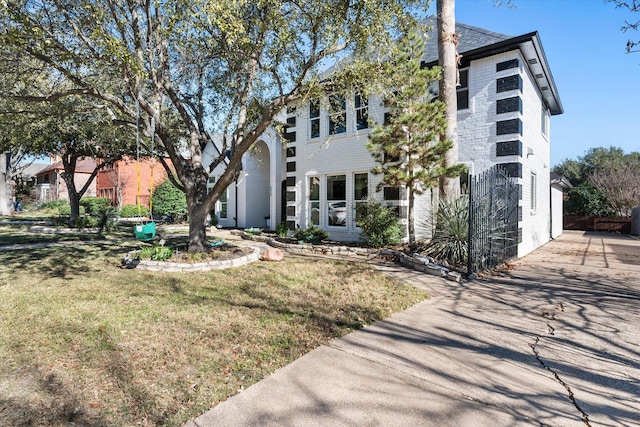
85,341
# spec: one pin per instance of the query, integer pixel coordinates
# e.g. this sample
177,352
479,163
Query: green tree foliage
586,200
169,201
199,67
409,150
606,182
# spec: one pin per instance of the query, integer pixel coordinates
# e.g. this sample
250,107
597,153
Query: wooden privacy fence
591,223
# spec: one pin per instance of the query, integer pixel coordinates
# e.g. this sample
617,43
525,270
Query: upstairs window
462,90
544,125
314,118
362,112
337,114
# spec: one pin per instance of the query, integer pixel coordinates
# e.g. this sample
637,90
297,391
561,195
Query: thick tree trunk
74,202
197,227
6,196
447,42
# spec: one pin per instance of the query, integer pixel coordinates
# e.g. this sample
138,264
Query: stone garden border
174,267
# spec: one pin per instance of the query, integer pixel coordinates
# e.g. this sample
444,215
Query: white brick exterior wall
477,140
346,154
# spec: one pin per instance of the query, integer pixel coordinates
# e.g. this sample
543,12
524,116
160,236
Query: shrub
131,211
253,231
450,227
169,201
282,230
55,204
379,223
311,234
156,253
65,210
95,205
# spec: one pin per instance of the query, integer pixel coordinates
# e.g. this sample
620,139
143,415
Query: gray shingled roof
469,38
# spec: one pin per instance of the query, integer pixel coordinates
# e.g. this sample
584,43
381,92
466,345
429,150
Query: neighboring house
127,181
322,170
50,185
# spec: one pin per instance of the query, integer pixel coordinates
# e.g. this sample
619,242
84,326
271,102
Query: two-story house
322,169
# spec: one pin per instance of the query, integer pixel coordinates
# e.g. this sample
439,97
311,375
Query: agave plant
449,225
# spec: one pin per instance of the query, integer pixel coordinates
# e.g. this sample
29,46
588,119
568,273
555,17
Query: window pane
314,108
314,197
336,200
361,186
314,188
464,78
337,115
315,128
336,187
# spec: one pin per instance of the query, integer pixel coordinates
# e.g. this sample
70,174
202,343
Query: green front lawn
85,341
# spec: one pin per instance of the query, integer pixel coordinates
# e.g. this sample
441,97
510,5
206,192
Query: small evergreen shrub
379,223
131,211
311,234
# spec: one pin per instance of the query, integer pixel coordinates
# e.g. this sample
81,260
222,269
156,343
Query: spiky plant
449,224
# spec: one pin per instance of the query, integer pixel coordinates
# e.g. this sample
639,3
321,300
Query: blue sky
598,82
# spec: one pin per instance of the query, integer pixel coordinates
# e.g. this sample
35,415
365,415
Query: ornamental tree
409,149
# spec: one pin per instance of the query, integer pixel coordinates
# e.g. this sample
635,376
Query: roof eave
532,51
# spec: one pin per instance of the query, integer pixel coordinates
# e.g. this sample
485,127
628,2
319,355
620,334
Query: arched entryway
258,188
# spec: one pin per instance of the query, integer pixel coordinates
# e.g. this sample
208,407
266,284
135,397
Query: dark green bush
55,204
311,234
65,209
169,201
131,211
95,205
380,225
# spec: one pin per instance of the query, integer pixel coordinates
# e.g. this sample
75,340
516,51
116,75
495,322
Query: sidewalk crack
536,353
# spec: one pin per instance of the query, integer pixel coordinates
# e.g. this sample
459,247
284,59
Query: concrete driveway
552,341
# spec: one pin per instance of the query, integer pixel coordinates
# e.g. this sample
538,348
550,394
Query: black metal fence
493,219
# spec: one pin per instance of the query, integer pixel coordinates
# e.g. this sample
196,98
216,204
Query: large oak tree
225,66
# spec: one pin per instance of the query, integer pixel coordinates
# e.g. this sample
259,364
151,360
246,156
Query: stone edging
404,259
171,267
54,230
312,249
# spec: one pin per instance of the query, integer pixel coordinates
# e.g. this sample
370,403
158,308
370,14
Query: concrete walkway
552,341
